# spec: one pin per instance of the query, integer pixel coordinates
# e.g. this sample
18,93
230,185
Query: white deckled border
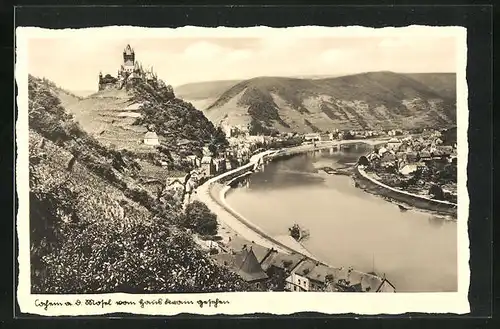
246,303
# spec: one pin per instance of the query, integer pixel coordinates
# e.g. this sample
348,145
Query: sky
74,60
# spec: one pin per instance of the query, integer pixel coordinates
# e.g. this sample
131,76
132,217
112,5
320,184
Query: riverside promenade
230,217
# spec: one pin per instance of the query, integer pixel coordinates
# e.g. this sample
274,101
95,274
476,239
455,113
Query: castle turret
128,59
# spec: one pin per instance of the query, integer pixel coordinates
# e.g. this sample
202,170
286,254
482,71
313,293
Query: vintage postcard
242,170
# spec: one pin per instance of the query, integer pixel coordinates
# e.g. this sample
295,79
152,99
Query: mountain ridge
372,100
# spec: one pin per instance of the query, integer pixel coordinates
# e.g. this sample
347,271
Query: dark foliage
93,229
199,218
176,119
257,128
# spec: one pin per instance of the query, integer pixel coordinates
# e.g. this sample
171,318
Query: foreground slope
376,100
93,228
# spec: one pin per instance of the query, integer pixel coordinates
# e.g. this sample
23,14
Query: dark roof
248,267
314,271
244,263
282,260
238,244
386,286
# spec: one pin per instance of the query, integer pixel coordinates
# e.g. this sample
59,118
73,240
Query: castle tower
128,59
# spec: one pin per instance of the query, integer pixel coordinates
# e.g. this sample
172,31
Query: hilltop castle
129,73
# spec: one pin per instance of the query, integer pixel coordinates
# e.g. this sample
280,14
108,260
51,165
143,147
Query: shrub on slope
175,119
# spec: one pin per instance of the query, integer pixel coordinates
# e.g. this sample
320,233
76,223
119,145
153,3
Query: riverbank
405,200
371,185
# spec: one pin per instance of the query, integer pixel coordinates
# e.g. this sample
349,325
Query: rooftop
151,135
244,263
282,260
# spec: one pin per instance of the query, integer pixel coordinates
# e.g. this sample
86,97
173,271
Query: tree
436,192
219,139
199,218
363,160
348,135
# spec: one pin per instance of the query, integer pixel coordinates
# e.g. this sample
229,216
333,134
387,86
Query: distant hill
203,94
203,90
442,83
369,100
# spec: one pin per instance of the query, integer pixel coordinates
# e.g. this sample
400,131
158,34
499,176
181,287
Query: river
349,227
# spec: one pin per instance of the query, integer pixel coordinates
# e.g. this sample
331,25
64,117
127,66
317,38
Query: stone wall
371,185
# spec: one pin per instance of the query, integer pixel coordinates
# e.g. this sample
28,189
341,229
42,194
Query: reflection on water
348,227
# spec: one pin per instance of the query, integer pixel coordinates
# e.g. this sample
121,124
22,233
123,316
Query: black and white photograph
242,170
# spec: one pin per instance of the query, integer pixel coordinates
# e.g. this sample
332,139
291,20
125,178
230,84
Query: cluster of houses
280,271
336,134
407,153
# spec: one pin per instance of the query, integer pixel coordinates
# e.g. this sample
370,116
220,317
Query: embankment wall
372,185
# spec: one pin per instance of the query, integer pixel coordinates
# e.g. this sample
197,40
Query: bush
200,219
436,192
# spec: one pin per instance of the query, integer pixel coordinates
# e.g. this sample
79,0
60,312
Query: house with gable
175,186
393,144
151,138
281,265
194,160
207,166
245,264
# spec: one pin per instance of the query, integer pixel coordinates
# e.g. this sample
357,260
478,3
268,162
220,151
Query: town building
206,151
220,165
175,187
244,263
229,131
326,137
207,166
174,183
312,137
394,144
296,283
318,275
150,138
229,165
194,160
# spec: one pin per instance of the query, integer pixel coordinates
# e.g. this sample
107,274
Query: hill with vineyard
373,100
93,227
